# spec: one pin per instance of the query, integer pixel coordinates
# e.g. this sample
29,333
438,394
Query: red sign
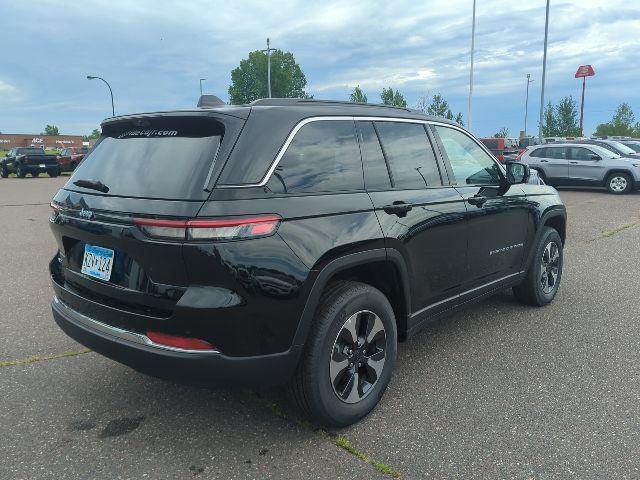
585,71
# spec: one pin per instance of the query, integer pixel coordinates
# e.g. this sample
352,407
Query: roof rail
305,101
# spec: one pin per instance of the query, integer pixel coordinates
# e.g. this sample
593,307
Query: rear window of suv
163,157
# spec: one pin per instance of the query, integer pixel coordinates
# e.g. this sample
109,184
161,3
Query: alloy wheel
358,356
550,267
618,184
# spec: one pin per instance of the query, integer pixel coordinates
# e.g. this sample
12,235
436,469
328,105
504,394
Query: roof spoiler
207,101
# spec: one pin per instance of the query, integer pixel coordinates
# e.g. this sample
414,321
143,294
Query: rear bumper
206,368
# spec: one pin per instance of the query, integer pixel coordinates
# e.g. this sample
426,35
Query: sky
154,52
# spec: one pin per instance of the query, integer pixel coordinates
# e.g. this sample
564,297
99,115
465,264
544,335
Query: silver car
580,164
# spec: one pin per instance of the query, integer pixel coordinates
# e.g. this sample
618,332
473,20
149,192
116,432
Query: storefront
9,141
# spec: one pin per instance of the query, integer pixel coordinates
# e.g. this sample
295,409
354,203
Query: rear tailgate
37,160
149,173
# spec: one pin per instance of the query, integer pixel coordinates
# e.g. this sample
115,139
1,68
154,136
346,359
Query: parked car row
599,163
34,161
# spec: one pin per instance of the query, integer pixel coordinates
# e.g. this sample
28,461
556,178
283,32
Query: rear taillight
176,341
501,157
210,229
519,156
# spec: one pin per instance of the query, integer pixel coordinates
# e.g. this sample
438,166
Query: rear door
555,164
497,215
584,166
422,217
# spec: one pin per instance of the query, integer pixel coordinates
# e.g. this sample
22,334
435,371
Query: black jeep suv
291,242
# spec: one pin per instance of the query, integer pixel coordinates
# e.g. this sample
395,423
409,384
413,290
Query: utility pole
526,104
201,80
473,39
268,52
544,70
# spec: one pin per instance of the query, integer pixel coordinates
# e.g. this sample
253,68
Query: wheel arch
373,267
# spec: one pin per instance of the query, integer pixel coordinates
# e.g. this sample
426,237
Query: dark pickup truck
33,160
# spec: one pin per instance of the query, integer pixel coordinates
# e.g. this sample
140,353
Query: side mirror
593,156
517,172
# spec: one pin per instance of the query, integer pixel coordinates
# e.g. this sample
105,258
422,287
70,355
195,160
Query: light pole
473,39
526,104
268,51
113,110
201,80
544,70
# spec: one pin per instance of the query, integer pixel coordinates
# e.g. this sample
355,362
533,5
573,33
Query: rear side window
557,153
164,157
322,157
412,162
376,172
538,153
490,143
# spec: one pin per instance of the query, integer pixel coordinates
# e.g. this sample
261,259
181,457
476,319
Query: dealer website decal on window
148,133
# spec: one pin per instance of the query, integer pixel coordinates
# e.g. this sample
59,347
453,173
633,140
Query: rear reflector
210,229
175,341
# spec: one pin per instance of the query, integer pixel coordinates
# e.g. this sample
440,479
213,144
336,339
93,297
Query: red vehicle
502,147
70,158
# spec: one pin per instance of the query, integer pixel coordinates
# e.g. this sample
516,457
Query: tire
73,166
35,174
542,176
4,173
321,385
20,171
54,173
543,277
619,183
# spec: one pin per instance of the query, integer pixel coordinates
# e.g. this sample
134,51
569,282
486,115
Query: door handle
573,163
398,208
477,200
544,161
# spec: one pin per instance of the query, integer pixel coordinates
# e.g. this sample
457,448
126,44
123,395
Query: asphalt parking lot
497,391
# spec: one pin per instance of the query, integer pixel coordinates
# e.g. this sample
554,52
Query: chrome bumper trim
90,324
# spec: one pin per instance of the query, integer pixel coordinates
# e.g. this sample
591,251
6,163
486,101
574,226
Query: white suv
580,164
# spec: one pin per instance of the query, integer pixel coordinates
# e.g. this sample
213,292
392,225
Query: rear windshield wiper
92,184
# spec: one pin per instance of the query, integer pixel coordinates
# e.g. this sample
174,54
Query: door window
557,153
471,164
579,153
376,171
409,154
323,157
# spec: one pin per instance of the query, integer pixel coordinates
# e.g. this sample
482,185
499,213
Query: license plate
42,165
97,262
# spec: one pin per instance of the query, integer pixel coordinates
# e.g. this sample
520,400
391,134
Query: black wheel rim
358,356
550,267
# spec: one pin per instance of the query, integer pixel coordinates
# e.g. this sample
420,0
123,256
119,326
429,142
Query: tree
502,133
94,135
567,118
549,124
249,79
358,95
623,123
50,130
439,107
395,99
561,120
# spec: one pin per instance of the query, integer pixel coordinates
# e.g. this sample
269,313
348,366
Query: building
10,140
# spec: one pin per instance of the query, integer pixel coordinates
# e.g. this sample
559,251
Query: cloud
153,54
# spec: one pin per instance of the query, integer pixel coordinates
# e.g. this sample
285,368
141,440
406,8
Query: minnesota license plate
97,262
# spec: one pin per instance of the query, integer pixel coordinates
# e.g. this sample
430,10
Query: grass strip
41,358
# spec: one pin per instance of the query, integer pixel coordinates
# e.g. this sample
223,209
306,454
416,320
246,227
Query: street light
113,110
526,103
201,80
544,70
268,51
